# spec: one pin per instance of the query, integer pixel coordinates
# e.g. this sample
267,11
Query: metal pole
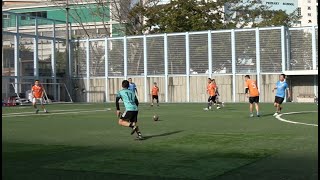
258,62
68,75
283,48
233,50
88,70
145,57
165,43
187,66
125,57
106,70
209,54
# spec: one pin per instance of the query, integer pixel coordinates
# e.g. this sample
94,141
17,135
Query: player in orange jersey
253,93
154,92
37,95
211,89
217,102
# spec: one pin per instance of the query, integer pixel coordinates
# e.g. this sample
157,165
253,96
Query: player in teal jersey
130,117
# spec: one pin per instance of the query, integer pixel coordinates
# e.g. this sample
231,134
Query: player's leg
279,106
42,105
251,106
152,98
34,104
256,100
157,98
214,99
276,105
134,119
123,120
209,102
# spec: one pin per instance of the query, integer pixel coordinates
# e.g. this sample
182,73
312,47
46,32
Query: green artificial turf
84,141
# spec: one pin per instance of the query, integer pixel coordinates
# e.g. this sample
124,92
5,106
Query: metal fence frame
184,45
285,57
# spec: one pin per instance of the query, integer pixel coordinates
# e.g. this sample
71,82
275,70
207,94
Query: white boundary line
293,122
49,114
28,112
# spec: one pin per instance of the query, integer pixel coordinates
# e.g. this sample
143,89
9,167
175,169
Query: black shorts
212,98
254,99
131,116
278,100
155,97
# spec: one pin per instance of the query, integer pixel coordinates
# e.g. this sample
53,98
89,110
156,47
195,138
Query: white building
308,9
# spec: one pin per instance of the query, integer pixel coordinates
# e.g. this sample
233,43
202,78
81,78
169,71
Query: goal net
20,93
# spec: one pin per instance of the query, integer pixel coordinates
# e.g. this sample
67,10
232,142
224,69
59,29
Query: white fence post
283,48
125,57
17,61
53,61
209,54
233,52
187,66
88,70
35,52
258,62
145,69
106,69
165,43
314,58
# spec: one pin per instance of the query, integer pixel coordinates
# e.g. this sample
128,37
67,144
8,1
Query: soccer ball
205,109
155,117
218,107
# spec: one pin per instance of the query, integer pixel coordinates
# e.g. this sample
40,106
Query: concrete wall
177,88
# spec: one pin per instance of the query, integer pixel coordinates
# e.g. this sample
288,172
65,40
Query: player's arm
32,92
118,105
274,88
246,90
288,90
136,101
135,87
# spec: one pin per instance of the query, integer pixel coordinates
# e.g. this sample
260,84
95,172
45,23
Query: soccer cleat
134,129
139,137
258,115
251,115
37,111
151,105
275,114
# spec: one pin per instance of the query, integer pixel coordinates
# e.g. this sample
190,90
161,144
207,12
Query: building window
309,1
299,11
309,21
42,14
5,16
309,8
309,14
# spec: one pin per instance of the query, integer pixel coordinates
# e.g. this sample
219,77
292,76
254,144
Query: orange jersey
155,90
37,91
253,88
211,88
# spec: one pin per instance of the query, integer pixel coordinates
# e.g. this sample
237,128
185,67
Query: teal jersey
128,97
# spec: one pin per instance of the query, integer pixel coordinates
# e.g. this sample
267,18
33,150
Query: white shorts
34,100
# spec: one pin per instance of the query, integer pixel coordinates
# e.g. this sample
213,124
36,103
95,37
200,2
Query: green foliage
193,15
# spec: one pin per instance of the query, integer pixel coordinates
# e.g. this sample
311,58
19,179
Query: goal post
53,93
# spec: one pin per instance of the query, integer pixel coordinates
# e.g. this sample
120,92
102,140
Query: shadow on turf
163,134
